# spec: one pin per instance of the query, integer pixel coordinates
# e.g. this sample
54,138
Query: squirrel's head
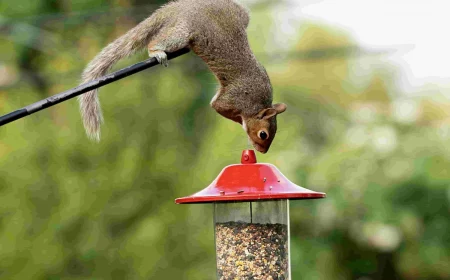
262,127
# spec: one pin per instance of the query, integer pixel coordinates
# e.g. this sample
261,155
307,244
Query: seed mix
252,251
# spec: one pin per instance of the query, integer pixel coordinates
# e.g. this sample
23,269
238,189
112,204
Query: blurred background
368,91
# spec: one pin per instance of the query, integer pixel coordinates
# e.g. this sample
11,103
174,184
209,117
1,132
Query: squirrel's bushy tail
134,40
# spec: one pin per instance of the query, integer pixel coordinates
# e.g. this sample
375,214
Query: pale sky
418,28
421,25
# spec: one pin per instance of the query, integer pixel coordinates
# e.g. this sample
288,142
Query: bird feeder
251,219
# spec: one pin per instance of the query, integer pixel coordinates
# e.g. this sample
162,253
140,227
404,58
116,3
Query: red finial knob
248,156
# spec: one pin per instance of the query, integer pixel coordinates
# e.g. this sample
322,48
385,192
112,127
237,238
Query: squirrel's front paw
161,56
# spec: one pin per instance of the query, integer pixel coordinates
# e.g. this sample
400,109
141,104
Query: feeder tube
252,239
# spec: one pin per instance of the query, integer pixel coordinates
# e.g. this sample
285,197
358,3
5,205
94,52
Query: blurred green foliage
73,209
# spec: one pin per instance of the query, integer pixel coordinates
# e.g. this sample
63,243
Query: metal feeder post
251,219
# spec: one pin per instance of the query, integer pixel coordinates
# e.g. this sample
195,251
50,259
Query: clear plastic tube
252,240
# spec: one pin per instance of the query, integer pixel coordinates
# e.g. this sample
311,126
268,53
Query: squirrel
215,30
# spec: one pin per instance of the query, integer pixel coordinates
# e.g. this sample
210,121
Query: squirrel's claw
160,56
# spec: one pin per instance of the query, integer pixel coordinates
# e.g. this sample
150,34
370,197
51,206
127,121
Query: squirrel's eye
262,134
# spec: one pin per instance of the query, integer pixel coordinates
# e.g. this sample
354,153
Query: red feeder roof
250,181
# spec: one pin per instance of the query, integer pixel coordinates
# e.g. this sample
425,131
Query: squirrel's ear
279,107
266,113
270,112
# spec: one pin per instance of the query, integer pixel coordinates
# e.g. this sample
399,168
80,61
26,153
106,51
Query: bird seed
252,251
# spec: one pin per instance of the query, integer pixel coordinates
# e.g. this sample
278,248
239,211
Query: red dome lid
250,181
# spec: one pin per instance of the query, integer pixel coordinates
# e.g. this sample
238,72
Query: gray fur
216,31
134,40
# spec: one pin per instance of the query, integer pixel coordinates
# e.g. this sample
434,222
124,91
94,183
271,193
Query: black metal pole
71,93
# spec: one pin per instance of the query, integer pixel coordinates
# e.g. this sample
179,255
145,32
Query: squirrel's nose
260,148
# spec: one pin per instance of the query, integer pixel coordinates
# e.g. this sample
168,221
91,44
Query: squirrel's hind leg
160,56
168,40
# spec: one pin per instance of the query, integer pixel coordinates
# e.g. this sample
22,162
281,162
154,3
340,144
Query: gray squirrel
215,30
